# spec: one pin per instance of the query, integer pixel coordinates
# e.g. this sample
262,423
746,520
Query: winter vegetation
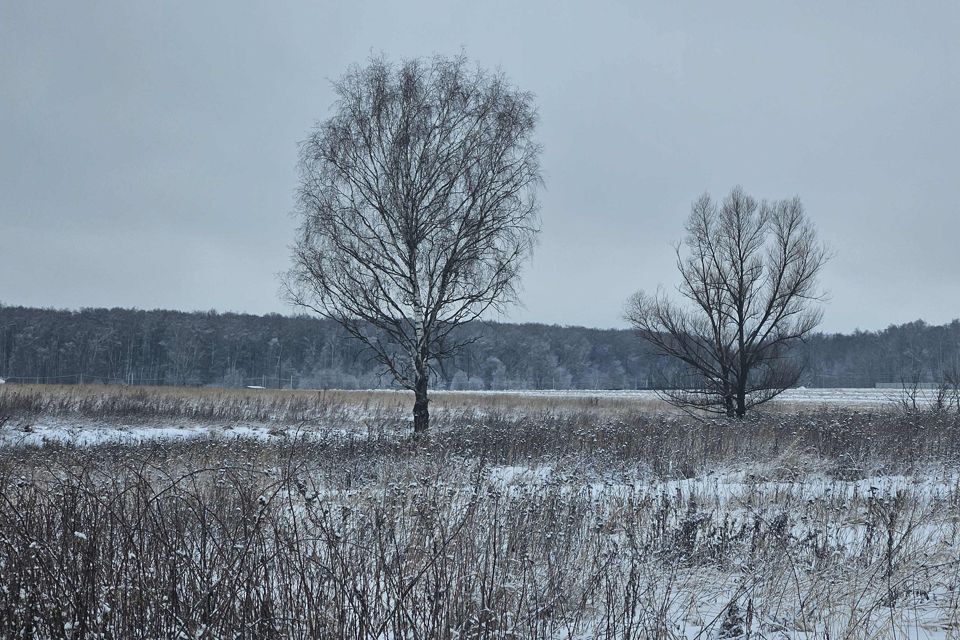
518,516
418,208
748,283
155,348
204,475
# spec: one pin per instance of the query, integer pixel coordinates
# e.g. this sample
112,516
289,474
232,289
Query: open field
316,515
272,405
92,414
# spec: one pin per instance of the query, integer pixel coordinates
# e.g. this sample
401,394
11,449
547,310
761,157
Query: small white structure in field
255,386
2,381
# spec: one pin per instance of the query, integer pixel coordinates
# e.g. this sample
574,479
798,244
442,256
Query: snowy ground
86,431
825,526
803,396
841,524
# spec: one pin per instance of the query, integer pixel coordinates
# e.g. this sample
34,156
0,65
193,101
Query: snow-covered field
818,534
803,396
81,430
355,412
513,520
87,432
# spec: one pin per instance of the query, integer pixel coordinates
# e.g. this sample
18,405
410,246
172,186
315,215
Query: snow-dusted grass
572,522
271,405
804,396
218,405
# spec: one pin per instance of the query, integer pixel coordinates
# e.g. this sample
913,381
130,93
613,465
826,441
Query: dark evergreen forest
229,349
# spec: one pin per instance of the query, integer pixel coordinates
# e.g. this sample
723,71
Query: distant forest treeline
229,349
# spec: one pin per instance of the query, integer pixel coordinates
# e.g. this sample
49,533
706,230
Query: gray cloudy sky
148,149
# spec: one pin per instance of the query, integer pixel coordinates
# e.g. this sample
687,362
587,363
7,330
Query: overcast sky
148,149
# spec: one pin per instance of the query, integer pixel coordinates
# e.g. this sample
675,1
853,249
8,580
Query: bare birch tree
749,291
418,208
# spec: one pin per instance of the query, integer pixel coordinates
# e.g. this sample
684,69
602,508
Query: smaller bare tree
749,280
418,209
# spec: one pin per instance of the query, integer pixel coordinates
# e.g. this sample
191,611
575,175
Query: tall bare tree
418,208
749,291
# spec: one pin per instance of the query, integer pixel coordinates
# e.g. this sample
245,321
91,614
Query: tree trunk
421,414
728,395
741,399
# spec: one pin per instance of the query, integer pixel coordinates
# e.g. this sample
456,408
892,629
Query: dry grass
564,521
465,535
286,406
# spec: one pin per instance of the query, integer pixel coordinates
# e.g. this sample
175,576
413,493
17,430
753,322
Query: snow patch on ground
88,433
831,397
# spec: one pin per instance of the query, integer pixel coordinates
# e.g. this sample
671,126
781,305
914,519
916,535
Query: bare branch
418,208
749,277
